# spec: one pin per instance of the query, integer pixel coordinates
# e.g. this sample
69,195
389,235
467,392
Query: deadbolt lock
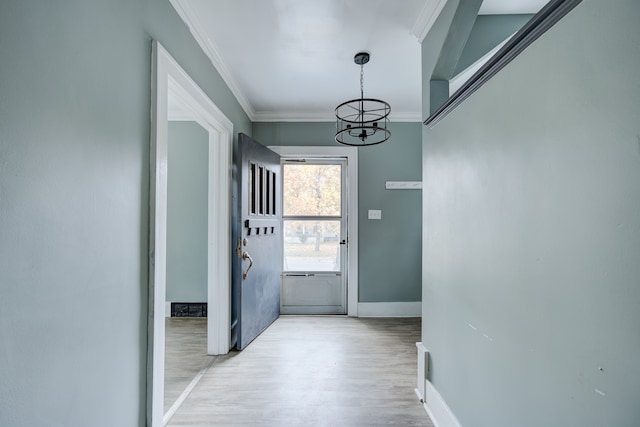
241,242
239,248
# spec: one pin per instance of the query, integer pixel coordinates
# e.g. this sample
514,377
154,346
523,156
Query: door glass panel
311,245
312,190
260,190
268,192
273,193
252,189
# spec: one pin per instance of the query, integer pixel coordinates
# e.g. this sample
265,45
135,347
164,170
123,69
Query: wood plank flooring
313,371
185,354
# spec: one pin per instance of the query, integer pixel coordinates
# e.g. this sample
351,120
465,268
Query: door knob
245,255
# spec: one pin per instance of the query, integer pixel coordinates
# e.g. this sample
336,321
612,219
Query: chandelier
362,121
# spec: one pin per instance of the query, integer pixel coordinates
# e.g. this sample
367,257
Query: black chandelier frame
362,121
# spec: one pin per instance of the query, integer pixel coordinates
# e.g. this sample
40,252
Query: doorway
330,274
315,241
172,82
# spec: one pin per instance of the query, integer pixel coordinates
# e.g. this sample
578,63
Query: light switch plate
375,214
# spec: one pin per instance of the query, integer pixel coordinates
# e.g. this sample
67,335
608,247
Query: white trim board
437,409
351,154
324,116
403,185
390,309
169,80
209,48
427,18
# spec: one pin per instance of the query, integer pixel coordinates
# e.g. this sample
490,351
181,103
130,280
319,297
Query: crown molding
297,116
427,18
209,48
294,116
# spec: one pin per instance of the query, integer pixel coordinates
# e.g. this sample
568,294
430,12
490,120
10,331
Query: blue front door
258,242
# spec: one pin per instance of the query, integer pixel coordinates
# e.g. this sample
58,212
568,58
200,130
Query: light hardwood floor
313,371
185,354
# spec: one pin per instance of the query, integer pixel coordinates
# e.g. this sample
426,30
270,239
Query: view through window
312,213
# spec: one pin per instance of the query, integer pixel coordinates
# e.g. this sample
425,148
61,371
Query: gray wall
187,208
389,250
74,192
488,32
532,232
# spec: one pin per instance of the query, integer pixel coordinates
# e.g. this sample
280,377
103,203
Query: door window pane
252,189
268,178
273,193
311,245
261,190
311,190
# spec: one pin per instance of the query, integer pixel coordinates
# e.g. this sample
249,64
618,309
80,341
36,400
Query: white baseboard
437,408
390,309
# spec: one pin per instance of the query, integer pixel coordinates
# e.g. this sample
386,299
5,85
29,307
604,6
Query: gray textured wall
389,250
488,32
75,89
532,232
187,212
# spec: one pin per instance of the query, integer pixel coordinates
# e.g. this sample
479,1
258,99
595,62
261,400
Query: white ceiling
292,60
500,7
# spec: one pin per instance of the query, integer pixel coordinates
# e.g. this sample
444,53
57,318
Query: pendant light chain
361,112
361,80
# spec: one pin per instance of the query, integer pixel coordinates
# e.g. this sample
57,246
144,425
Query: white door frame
169,78
351,154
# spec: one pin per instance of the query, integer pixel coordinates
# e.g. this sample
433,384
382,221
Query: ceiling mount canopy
363,121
